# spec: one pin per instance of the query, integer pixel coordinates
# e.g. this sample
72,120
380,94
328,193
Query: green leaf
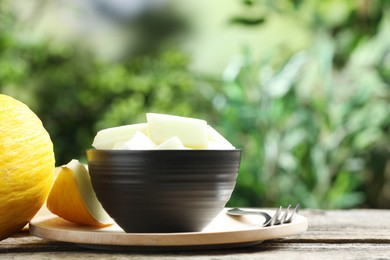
247,20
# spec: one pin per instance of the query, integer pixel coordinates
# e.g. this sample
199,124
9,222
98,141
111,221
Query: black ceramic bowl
159,191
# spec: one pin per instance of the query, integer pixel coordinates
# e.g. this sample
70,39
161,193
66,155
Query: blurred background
303,87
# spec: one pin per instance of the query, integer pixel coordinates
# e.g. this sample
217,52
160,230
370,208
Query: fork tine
274,218
294,213
284,216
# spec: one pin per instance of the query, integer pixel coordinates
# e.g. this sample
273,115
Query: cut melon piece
108,138
138,142
72,197
216,140
191,132
172,143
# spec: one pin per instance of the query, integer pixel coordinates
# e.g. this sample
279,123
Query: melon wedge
138,142
110,137
192,132
216,140
72,197
172,143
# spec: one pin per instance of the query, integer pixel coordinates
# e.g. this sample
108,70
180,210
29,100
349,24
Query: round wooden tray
224,232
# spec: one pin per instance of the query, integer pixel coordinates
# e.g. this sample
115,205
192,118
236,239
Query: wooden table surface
332,234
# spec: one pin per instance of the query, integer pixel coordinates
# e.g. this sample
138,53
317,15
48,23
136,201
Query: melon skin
26,165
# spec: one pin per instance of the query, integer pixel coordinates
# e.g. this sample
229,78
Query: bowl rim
163,150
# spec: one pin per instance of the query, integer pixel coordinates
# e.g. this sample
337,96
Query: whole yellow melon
26,165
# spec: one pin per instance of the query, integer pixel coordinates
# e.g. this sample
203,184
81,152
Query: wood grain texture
334,234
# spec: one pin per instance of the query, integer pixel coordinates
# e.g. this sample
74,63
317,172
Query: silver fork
277,219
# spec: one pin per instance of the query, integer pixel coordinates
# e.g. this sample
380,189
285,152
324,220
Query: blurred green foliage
312,122
76,94
313,125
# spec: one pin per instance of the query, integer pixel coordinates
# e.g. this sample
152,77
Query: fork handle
241,212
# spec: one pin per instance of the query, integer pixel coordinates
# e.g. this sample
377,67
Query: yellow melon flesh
73,199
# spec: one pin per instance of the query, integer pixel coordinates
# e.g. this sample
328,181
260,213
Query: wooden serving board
224,231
